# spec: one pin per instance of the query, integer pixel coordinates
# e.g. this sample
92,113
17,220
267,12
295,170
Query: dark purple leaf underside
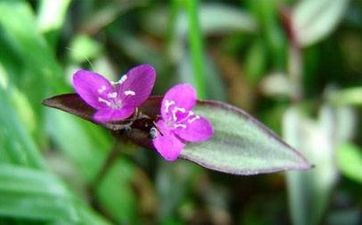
140,128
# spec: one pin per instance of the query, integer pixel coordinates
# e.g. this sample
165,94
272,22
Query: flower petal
180,95
108,114
137,86
169,146
197,131
90,86
166,143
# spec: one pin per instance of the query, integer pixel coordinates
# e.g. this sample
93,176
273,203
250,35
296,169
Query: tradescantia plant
210,133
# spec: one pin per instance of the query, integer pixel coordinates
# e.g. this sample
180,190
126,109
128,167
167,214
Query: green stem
171,26
106,166
296,72
196,45
173,39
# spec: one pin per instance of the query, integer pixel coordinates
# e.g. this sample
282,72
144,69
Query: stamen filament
101,100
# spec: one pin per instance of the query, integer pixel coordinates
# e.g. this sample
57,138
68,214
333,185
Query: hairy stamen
129,92
196,117
181,125
168,103
102,100
123,79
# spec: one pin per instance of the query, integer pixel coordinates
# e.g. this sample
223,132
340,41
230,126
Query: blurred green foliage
294,64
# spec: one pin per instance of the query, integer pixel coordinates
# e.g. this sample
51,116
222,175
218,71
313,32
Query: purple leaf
73,104
140,129
240,144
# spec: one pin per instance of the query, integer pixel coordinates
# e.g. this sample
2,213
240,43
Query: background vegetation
295,65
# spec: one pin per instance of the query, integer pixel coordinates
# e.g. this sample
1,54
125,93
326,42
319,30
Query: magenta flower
115,101
178,124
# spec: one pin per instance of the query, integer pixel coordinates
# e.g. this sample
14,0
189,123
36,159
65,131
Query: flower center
110,97
111,100
179,116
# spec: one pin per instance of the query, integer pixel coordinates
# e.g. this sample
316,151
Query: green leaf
214,19
215,89
219,18
86,147
104,14
52,14
256,62
28,61
117,194
173,184
84,144
314,20
241,144
89,217
84,48
40,196
16,144
348,96
51,18
33,194
267,15
349,161
40,69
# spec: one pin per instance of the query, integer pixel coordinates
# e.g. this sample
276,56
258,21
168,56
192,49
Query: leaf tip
47,102
303,163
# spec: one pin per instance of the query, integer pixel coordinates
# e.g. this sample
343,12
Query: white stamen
176,110
179,109
102,89
193,119
123,79
168,103
177,125
129,92
101,100
112,95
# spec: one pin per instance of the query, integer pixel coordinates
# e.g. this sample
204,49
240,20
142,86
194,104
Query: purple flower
115,101
178,124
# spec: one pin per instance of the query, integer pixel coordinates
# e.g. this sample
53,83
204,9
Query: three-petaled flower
178,124
115,101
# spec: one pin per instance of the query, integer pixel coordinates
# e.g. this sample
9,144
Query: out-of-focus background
294,65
